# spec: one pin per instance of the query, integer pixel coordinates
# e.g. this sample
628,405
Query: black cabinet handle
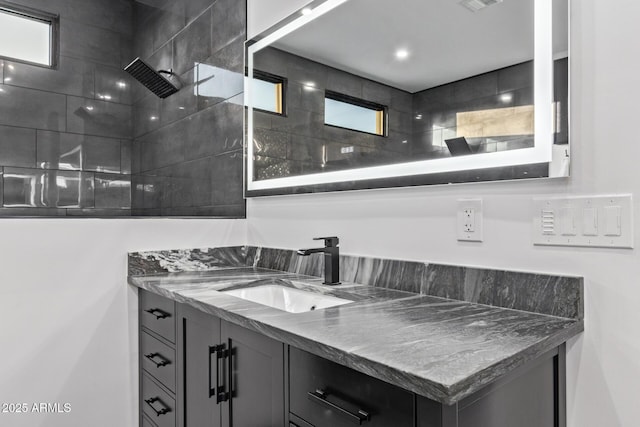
160,314
163,360
320,397
212,389
216,389
222,353
165,409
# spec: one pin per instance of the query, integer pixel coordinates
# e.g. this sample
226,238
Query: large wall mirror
355,94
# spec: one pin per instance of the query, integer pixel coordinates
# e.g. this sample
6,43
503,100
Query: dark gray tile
300,122
376,92
195,8
229,22
215,84
17,147
91,43
344,83
32,108
112,191
94,117
166,146
168,20
400,121
189,184
114,15
482,86
113,85
227,170
32,212
77,152
98,213
72,77
230,57
215,130
193,45
146,115
515,77
125,156
302,97
47,188
180,104
136,156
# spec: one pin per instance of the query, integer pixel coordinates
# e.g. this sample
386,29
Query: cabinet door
199,368
255,379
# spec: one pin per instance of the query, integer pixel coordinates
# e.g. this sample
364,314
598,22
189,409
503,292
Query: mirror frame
524,163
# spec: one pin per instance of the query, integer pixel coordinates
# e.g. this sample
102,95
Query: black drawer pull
165,409
320,397
163,361
160,314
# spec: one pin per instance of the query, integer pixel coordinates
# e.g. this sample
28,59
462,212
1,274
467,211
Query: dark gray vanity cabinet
158,361
199,367
230,376
325,394
197,370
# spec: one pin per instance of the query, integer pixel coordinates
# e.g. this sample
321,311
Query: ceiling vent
476,5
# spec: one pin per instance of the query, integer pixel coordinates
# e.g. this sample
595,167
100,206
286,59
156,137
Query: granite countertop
436,347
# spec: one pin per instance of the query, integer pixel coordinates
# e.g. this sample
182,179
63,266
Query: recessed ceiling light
153,118
418,116
506,98
402,54
405,141
307,11
89,107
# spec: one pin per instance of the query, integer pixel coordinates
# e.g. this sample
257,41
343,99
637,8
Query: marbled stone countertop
439,348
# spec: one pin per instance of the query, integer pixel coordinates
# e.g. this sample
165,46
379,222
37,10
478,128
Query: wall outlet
469,224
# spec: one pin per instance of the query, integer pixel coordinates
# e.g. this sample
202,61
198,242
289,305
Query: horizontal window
268,92
355,114
27,36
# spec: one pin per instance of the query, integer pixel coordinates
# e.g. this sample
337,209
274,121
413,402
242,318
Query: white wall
418,223
68,318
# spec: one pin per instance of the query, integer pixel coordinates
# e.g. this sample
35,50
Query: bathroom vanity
388,358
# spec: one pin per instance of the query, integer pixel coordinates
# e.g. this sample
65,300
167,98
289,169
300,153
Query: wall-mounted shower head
154,80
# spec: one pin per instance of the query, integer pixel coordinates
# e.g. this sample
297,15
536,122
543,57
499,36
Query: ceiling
446,41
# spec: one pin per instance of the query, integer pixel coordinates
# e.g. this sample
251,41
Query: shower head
154,80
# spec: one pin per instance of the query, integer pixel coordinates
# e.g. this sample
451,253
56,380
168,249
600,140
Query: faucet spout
331,253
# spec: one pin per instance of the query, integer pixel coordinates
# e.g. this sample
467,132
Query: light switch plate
589,221
469,223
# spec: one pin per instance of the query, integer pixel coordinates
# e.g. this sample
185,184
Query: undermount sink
287,299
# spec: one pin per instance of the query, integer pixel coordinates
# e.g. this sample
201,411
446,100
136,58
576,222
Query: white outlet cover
475,205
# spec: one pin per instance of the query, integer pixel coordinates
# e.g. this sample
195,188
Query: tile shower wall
299,142
187,149
437,108
65,134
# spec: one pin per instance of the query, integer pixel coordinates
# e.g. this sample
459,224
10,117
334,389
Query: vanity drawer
159,360
326,394
158,315
157,404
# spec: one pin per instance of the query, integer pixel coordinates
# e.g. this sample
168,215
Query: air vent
476,5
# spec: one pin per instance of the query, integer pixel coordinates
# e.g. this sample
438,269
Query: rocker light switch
590,222
613,221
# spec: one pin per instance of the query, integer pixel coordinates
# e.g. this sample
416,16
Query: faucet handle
329,242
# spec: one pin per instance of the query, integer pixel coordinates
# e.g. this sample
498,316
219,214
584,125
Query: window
356,114
28,36
268,92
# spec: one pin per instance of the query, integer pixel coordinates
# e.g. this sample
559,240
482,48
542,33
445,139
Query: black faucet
331,253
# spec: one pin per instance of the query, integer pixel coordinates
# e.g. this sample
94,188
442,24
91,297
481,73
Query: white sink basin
287,299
